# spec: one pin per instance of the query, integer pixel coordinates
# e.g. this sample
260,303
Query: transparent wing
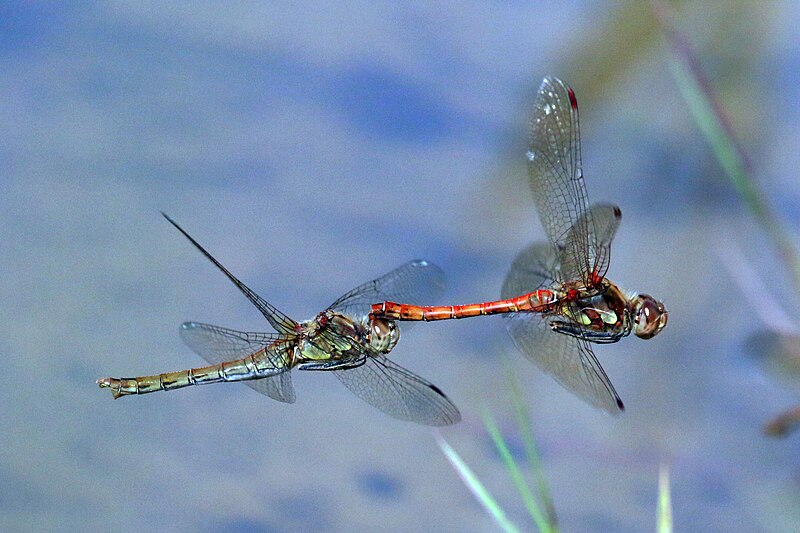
399,393
554,160
278,387
568,359
556,179
535,267
419,282
279,321
605,221
216,345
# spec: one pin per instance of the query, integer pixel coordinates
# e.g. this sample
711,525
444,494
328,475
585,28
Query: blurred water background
312,147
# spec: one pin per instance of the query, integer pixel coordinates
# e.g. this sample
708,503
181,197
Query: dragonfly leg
332,364
574,330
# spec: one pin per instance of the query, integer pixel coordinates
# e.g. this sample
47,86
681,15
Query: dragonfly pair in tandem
556,299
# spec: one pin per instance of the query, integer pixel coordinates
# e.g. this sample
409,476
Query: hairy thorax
334,336
602,313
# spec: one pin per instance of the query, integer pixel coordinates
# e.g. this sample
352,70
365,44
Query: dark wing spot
572,100
437,390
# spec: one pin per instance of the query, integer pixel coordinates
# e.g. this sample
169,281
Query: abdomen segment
250,367
539,301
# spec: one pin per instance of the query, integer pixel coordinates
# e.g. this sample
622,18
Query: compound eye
383,335
651,317
380,328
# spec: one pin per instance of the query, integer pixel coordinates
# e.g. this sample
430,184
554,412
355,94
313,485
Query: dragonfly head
650,316
382,335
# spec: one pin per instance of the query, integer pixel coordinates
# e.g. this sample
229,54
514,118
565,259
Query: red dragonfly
557,292
342,339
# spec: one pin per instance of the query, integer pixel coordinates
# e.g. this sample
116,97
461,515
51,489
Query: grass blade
516,475
475,486
710,117
664,505
529,443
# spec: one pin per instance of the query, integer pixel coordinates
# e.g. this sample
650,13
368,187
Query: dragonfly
556,297
342,339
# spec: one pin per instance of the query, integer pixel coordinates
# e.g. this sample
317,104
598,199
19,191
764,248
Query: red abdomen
539,301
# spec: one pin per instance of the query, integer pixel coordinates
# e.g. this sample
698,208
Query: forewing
554,169
217,345
419,282
601,222
569,360
399,393
535,267
279,321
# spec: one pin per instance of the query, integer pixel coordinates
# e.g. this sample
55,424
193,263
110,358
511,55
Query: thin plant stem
713,121
529,443
664,518
476,487
516,475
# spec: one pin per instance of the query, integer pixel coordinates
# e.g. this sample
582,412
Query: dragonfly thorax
379,334
329,336
601,315
332,335
605,314
307,346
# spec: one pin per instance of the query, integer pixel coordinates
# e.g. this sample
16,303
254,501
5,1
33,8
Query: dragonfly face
650,316
382,335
